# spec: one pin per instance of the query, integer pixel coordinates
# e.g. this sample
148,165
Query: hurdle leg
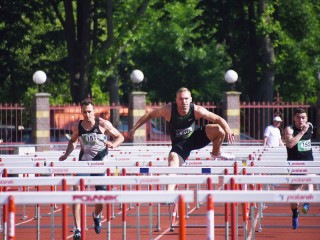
260,209
24,210
237,219
52,206
138,221
150,221
108,207
52,221
173,216
11,209
1,227
197,200
210,216
5,221
244,217
158,218
252,221
38,221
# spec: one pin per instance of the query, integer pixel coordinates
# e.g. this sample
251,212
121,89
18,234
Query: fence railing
15,120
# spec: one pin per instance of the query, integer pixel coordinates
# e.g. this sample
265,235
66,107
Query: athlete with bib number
298,143
181,117
92,134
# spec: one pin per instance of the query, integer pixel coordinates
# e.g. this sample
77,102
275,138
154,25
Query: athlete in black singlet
181,117
298,143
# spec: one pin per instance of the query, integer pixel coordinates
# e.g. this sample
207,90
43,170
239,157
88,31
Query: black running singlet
181,127
302,150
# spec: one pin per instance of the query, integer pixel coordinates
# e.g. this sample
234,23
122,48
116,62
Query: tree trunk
78,46
268,62
113,88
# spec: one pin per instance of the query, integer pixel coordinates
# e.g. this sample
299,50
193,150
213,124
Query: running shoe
305,208
223,156
97,223
295,222
77,235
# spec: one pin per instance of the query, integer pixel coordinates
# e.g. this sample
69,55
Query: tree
100,45
170,56
90,48
297,50
271,43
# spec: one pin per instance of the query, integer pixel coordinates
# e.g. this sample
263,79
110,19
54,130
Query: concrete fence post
41,121
137,108
231,112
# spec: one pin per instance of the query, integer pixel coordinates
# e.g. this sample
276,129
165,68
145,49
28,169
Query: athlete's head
300,117
87,110
183,98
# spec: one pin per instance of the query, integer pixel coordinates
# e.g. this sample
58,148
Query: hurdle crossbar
161,170
258,196
156,163
93,197
107,180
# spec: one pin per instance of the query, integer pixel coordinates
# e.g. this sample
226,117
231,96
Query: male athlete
92,133
298,143
181,117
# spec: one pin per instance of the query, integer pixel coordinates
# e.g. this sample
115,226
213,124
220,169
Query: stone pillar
41,121
137,108
231,112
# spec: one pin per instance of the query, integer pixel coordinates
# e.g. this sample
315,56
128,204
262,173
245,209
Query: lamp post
41,113
39,77
231,104
137,106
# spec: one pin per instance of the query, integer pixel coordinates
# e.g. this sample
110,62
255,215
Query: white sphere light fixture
136,76
231,76
39,77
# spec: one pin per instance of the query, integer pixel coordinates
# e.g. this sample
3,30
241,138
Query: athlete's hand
109,144
230,137
63,157
131,133
305,128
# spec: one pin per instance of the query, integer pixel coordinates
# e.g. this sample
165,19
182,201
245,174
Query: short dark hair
299,110
86,102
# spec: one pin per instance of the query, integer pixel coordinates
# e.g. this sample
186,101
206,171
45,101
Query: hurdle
138,162
212,196
11,199
123,180
204,169
160,170
147,180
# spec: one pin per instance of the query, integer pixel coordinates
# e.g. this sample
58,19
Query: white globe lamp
39,77
136,76
231,77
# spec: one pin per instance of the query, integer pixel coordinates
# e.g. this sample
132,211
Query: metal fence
15,120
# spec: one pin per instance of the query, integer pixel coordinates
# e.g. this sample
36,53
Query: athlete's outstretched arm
164,112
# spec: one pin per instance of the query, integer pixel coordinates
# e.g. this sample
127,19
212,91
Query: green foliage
297,51
31,42
175,43
170,59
